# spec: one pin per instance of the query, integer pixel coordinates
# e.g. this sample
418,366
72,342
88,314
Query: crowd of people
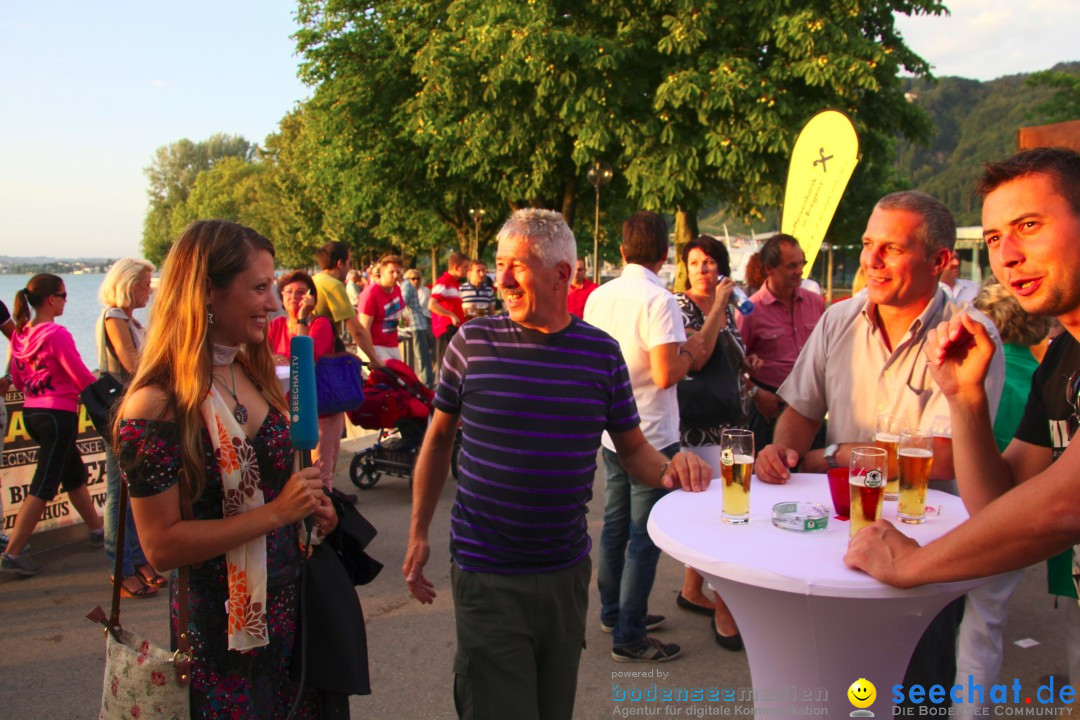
567,374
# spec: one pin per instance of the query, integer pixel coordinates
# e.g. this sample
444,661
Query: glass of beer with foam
887,437
736,466
866,484
916,455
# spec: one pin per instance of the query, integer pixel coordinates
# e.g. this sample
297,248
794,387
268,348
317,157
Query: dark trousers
934,659
441,344
519,642
763,428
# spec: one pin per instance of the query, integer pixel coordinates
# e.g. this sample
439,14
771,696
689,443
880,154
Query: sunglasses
60,295
1072,397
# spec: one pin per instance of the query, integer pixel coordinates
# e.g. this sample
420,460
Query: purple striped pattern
532,408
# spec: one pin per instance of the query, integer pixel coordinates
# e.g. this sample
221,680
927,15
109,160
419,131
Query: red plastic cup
838,488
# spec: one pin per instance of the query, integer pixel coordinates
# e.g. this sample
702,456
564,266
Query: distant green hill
976,122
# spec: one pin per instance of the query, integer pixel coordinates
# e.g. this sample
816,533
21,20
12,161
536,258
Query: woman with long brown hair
46,366
205,404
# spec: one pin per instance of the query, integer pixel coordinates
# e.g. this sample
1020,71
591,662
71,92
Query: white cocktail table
807,620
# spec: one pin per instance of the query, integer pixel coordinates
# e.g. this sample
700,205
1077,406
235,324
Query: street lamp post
477,214
599,175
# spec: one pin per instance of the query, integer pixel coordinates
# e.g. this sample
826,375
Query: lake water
80,314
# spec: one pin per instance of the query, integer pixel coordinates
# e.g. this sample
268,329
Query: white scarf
241,492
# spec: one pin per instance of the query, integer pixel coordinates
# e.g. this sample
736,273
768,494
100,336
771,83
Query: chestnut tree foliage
423,109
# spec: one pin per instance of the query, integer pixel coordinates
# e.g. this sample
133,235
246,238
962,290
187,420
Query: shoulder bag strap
106,346
182,659
183,641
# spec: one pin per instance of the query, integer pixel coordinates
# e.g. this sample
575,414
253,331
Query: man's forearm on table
1031,523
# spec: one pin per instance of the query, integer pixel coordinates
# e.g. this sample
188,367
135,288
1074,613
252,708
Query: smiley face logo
862,693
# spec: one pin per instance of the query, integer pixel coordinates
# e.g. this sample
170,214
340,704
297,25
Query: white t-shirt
639,312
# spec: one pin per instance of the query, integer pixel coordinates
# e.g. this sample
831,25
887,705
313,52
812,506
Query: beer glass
866,484
941,429
916,456
887,437
736,466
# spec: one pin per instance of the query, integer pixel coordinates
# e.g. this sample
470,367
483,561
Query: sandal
154,580
144,591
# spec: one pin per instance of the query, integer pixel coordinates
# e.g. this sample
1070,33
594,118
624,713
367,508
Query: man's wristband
663,471
693,359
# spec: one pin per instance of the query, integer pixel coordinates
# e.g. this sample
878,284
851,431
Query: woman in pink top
46,366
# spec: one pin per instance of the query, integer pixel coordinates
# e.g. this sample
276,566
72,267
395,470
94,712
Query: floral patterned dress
693,319
228,684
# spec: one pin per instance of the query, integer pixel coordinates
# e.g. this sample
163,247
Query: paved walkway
51,659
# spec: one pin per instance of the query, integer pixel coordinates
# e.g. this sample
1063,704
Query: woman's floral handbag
142,680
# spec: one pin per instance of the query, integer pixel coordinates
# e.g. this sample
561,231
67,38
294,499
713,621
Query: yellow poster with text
822,161
19,460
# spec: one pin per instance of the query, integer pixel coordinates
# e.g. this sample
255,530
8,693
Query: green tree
172,174
1064,105
427,107
226,191
292,217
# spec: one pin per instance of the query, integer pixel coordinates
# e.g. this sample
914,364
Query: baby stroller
398,405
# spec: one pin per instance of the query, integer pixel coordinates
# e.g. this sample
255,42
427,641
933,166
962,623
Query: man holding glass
865,358
1024,505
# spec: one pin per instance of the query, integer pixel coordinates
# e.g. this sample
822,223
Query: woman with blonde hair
46,366
126,288
204,421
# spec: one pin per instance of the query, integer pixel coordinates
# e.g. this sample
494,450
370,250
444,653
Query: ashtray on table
800,516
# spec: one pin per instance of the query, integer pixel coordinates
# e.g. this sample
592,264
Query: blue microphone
303,402
303,407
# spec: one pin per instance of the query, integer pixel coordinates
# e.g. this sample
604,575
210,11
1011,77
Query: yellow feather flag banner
824,157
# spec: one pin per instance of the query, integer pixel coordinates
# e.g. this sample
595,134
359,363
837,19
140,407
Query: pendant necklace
239,412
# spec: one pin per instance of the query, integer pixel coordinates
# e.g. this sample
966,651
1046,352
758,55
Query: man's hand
688,472
416,558
958,353
879,550
326,516
767,403
774,462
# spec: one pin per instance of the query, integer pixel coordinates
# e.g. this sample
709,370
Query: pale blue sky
90,89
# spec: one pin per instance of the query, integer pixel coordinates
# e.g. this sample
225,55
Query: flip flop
155,581
144,591
685,604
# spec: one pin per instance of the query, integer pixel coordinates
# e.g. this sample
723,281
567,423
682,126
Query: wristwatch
830,455
303,321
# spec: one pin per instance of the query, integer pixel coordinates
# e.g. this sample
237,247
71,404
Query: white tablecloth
806,618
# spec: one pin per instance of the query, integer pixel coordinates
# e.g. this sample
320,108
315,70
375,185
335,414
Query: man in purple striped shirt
533,392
